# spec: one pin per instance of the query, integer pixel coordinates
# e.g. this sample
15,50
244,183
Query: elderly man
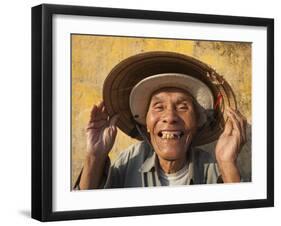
172,111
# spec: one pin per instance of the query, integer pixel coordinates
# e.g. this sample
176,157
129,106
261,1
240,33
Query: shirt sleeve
103,179
206,170
117,171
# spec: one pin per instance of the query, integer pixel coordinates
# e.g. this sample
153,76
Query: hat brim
141,94
126,74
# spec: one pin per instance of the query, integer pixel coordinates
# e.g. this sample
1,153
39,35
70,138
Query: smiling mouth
169,135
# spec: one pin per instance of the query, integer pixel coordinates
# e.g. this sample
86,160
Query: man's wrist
229,171
92,171
96,156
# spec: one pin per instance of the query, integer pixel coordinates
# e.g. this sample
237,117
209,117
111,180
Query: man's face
172,122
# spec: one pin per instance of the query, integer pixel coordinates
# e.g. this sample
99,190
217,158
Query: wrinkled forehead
171,90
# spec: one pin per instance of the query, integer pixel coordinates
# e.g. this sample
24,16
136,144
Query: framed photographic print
145,112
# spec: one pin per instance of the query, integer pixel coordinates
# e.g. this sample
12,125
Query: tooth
171,135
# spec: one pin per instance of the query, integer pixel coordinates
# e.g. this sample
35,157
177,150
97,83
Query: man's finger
96,110
234,114
113,132
238,116
114,119
101,104
99,108
235,122
98,117
98,113
242,124
96,124
93,112
243,119
102,111
228,127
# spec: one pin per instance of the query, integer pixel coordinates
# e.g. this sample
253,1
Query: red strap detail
219,98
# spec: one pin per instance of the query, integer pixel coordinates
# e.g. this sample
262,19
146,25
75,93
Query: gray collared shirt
137,167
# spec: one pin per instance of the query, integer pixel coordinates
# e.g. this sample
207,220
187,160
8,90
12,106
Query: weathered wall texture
94,56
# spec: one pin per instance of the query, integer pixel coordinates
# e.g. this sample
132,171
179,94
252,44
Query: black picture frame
42,108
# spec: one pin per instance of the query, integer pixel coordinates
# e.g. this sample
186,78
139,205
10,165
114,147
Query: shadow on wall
244,158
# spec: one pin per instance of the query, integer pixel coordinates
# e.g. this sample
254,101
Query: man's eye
158,107
183,107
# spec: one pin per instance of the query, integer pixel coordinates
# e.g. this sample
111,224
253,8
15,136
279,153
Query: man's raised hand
101,131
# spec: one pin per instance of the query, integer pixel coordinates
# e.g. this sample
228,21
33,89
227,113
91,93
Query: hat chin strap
144,137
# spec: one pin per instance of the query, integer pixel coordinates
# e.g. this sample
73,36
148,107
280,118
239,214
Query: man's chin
172,145
170,158
171,154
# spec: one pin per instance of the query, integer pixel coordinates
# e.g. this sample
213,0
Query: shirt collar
150,162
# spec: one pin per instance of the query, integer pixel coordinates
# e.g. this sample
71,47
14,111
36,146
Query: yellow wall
93,57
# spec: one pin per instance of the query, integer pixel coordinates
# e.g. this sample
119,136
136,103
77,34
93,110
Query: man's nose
170,116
